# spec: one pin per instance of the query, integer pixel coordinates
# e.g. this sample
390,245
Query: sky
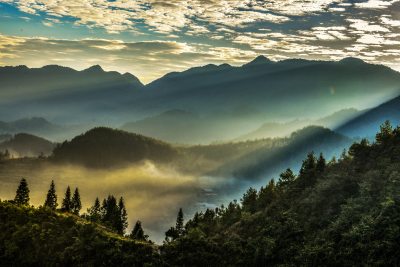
150,38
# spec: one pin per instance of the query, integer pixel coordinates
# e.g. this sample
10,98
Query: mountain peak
94,69
258,61
352,60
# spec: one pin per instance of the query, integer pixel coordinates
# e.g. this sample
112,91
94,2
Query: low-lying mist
153,194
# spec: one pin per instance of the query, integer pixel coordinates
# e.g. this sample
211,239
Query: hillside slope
105,147
266,163
284,88
27,145
41,237
343,213
63,94
367,124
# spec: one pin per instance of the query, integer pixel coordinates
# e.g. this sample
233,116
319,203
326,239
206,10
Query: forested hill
105,147
344,213
337,213
42,237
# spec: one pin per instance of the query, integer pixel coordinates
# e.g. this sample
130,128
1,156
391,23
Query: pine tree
22,194
138,233
286,178
321,163
111,213
76,204
123,218
249,200
66,203
266,195
309,164
179,223
51,198
385,134
95,211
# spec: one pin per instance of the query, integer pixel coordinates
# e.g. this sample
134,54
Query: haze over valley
193,150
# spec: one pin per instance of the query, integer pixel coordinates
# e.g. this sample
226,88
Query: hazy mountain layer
252,94
283,89
26,145
367,124
63,94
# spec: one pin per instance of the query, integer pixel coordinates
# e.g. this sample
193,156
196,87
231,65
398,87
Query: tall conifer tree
22,194
66,203
51,198
76,204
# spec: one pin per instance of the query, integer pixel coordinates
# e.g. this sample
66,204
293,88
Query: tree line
110,213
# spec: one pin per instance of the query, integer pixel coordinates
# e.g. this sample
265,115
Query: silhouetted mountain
43,128
179,126
30,125
105,147
267,162
273,90
338,118
276,129
64,93
367,124
278,90
26,145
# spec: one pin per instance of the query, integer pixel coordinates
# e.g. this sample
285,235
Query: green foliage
112,214
51,198
177,231
43,237
76,204
344,213
123,216
321,163
249,200
138,233
22,194
104,147
67,201
94,212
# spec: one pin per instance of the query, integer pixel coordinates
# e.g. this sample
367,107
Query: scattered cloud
185,33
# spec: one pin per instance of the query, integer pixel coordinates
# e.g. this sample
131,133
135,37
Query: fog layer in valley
152,194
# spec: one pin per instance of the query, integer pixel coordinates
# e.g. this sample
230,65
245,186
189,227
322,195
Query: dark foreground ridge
344,212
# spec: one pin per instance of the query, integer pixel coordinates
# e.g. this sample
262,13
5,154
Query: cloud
375,4
168,17
148,60
390,22
365,26
376,39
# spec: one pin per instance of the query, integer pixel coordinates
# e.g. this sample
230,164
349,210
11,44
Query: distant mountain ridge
267,90
276,129
27,145
283,88
368,123
64,93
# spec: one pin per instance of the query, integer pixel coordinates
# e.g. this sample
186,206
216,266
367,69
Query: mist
152,194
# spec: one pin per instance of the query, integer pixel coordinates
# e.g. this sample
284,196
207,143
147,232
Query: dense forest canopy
342,212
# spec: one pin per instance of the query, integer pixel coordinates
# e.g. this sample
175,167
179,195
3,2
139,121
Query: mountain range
229,101
64,94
